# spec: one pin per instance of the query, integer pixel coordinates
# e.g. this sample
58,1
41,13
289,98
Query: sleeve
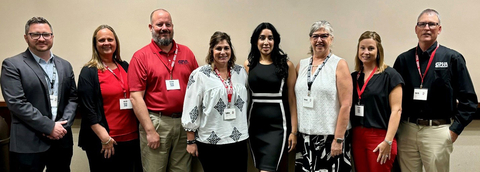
395,79
87,97
71,107
466,96
192,106
14,95
137,76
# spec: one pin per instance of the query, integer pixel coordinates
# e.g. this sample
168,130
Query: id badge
420,94
308,102
53,101
359,110
125,104
229,114
172,84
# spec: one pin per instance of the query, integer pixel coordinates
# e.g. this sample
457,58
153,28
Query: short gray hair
430,11
319,25
34,20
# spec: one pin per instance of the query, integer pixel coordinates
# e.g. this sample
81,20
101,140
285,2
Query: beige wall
195,21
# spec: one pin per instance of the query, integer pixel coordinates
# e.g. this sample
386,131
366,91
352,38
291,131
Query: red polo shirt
150,67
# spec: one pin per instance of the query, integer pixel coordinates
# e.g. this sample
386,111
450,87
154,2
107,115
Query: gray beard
161,41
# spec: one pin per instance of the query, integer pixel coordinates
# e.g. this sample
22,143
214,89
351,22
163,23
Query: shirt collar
429,50
172,50
40,60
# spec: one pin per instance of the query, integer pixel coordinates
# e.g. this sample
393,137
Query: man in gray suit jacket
40,92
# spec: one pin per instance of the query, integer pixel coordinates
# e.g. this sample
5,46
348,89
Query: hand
58,131
153,140
336,149
384,150
454,136
192,149
108,150
292,142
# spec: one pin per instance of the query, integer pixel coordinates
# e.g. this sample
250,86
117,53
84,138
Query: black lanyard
309,73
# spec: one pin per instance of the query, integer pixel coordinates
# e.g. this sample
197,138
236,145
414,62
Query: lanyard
360,92
51,81
118,78
309,73
173,62
229,90
428,66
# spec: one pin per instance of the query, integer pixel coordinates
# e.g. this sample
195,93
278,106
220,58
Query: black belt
172,115
429,122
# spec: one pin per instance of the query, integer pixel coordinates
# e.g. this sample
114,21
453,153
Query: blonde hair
380,55
96,60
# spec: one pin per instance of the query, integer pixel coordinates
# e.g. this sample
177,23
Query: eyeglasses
321,36
431,25
37,35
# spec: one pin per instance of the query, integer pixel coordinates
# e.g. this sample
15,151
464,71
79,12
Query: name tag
172,84
420,94
229,114
125,104
53,101
308,102
359,110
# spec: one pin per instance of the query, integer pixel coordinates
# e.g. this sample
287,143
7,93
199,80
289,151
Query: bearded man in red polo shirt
158,76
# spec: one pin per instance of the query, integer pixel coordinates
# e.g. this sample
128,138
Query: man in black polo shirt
436,77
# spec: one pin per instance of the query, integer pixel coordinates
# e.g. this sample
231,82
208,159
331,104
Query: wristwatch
340,140
389,142
190,142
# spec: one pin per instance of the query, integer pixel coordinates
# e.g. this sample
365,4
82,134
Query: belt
429,122
172,115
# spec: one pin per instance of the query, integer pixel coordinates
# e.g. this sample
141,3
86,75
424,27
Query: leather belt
429,122
172,115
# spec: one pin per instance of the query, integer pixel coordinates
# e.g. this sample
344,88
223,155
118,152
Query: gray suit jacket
25,92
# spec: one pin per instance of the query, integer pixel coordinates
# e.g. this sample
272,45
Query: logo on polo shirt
441,65
182,62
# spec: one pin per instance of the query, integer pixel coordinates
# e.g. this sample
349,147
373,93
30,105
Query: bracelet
294,133
191,142
107,142
389,142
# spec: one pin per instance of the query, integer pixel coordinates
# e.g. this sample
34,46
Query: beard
163,41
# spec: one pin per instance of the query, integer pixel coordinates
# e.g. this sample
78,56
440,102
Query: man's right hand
153,140
58,131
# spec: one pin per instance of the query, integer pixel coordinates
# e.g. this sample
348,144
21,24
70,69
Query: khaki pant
172,155
428,146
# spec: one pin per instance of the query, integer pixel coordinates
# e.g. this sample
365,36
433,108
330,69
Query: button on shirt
447,81
49,68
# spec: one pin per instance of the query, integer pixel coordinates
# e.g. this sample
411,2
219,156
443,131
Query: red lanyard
360,92
170,70
229,90
428,66
118,78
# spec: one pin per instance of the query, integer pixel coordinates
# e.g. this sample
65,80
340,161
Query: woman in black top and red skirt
376,110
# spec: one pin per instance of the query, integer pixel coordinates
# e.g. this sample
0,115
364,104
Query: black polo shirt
447,81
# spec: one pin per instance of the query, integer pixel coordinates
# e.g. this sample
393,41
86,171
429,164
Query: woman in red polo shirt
109,129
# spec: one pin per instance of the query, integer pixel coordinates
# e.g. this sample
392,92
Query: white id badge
229,114
308,102
420,94
359,110
125,104
172,84
53,101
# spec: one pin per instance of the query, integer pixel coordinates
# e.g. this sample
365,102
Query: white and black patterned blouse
205,101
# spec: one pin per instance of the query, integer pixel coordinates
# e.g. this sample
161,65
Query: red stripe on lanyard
229,90
119,79
428,66
360,92
170,70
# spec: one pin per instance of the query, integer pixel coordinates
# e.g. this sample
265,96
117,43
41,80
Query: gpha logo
441,65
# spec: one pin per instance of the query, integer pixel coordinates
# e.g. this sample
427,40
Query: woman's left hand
383,150
292,142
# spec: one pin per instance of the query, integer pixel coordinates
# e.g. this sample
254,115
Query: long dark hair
279,58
